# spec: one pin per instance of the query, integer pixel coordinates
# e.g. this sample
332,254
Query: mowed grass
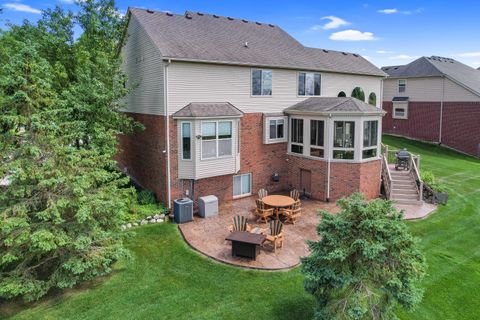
167,280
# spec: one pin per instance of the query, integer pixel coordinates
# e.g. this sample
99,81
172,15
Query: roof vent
246,44
149,11
188,16
325,50
169,14
229,18
271,25
200,14
355,55
396,68
258,23
246,21
215,16
344,53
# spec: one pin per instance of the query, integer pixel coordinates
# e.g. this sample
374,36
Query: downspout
167,126
441,111
329,149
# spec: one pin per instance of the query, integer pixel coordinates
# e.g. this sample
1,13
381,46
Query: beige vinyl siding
143,65
198,82
427,89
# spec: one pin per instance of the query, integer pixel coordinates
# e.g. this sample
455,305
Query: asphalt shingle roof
212,38
329,105
436,67
208,110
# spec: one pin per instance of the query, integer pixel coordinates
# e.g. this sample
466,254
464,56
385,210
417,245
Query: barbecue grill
403,157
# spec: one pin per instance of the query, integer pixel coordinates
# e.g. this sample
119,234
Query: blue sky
384,31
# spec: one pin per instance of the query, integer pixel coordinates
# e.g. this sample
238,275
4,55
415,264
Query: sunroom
339,129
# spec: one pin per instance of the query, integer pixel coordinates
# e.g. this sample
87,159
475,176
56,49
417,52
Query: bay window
343,140
316,138
216,139
261,82
186,140
309,84
296,140
370,139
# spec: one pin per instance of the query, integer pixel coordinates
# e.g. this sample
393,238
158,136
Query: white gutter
165,100
441,111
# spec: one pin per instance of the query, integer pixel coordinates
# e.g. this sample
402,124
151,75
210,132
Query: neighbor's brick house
434,99
227,103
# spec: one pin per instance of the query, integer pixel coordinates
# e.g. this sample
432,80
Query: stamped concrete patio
207,235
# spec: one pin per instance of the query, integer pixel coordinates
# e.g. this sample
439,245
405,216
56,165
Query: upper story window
344,140
309,84
370,139
261,82
216,139
317,132
296,137
402,85
186,140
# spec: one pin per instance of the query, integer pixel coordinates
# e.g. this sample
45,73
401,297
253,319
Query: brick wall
460,124
318,170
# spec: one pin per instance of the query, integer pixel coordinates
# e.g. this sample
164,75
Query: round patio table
278,201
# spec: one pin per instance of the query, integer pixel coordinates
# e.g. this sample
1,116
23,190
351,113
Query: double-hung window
186,140
296,137
317,128
370,139
344,140
216,139
261,82
309,84
402,85
242,185
276,129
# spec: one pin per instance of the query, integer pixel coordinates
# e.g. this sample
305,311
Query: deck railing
387,177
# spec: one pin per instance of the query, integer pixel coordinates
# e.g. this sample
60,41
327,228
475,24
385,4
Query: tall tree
365,264
62,210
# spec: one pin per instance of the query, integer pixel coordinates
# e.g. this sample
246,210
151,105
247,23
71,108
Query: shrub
146,197
429,178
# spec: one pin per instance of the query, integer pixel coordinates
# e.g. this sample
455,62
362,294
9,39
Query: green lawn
168,280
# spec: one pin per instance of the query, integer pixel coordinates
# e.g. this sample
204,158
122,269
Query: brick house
434,99
231,106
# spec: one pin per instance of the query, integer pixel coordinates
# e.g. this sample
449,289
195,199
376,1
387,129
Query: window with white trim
400,111
275,129
317,133
370,139
402,85
296,137
186,134
344,140
261,82
309,84
242,185
216,139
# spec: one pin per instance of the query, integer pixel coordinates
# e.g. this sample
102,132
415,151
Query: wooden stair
404,188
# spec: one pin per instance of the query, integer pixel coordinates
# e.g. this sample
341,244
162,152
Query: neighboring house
231,106
434,99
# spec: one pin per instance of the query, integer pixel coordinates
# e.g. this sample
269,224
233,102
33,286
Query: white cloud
469,54
476,64
384,51
67,1
21,7
403,57
388,11
367,57
335,22
352,35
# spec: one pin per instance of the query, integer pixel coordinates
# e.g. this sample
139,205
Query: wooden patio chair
262,193
293,213
295,195
239,223
262,211
276,234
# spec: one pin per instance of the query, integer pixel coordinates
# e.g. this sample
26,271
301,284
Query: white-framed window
370,139
275,129
242,185
261,82
296,136
344,140
186,139
217,139
402,85
317,134
309,84
400,111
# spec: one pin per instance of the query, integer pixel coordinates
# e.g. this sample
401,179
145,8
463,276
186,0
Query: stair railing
387,177
414,164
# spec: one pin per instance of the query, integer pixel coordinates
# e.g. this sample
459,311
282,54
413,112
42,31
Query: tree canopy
365,264
65,200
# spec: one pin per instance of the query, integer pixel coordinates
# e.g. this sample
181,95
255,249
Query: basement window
400,111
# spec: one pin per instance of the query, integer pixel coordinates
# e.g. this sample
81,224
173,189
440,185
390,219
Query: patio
207,235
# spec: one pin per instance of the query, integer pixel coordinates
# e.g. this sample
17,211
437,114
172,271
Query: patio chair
295,195
262,193
262,211
293,213
276,234
239,223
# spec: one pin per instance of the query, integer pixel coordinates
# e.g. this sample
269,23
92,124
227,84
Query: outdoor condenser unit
182,210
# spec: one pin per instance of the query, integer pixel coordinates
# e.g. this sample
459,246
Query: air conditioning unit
182,210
